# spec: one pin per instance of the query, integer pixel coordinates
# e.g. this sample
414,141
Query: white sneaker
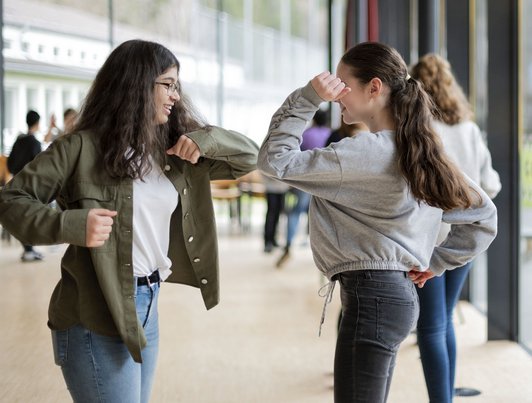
31,256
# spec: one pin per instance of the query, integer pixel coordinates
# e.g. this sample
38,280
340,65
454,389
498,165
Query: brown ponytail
431,176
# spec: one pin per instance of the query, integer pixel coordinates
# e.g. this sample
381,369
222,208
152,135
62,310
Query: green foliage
267,13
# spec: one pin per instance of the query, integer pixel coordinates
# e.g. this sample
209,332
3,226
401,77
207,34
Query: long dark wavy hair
432,177
120,109
435,73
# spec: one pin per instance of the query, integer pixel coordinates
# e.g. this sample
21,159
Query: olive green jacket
96,288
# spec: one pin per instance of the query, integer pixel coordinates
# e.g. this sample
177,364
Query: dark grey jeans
380,308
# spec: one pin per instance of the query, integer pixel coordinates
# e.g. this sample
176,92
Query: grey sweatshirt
362,214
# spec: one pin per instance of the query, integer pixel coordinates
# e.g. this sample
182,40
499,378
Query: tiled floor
259,345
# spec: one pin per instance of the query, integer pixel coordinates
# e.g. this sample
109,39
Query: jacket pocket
84,195
90,195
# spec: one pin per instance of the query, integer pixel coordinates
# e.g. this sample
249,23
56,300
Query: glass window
50,107
267,13
269,48
32,99
53,30
10,103
525,160
299,18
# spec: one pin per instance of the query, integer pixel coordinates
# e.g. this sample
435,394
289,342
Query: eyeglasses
170,87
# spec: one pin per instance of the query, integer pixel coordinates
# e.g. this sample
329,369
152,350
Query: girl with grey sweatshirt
378,201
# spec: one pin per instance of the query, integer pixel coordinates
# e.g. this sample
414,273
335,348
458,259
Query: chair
228,191
251,186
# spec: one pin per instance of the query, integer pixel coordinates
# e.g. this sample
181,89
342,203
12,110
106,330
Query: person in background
314,137
345,130
25,149
463,143
133,183
378,202
275,195
69,119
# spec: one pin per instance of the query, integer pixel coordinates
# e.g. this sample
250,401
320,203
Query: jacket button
128,197
185,191
167,167
204,281
197,260
186,215
127,264
190,238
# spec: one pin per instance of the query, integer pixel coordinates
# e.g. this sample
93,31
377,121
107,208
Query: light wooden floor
259,345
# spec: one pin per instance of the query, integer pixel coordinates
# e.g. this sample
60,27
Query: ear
375,86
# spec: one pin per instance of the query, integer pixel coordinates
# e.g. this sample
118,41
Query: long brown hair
120,109
432,177
435,73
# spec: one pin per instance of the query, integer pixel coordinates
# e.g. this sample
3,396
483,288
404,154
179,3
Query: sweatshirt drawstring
328,299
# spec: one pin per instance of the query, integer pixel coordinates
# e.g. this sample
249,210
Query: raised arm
317,171
230,154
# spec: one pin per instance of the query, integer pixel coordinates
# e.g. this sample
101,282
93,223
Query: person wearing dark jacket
24,150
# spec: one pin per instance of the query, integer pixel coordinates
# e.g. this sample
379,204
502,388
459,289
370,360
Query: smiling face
356,105
164,96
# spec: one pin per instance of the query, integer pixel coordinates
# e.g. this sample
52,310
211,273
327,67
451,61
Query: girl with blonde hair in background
463,143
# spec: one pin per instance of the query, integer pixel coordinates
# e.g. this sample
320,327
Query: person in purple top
315,136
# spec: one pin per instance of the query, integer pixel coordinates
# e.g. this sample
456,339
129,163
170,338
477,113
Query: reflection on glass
261,50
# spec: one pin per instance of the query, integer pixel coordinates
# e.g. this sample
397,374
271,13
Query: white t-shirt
154,201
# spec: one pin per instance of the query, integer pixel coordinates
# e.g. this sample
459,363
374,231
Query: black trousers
275,205
380,308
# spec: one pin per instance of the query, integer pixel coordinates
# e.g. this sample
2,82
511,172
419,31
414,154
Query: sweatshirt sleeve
24,209
472,231
316,171
231,154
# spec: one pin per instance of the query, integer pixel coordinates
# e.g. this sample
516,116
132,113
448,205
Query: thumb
104,212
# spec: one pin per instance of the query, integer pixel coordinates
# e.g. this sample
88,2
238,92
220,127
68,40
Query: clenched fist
99,226
329,87
185,149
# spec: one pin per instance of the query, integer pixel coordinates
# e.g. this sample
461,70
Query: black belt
149,280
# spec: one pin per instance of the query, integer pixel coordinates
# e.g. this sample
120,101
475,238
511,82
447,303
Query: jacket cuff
74,227
205,141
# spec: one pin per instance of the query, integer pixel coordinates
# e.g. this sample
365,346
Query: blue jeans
435,332
380,308
302,205
99,368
